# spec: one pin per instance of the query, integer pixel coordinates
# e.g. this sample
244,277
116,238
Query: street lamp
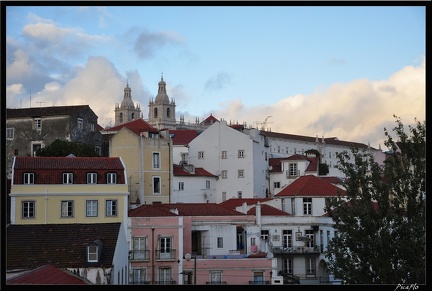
188,257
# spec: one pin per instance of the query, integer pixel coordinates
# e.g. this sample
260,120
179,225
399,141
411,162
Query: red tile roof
332,179
236,202
70,163
310,185
209,120
184,209
275,163
183,136
199,172
46,275
136,126
267,210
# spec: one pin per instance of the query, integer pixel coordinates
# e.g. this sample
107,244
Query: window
276,184
37,123
184,158
10,133
80,123
224,196
98,150
111,208
200,155
307,206
207,184
310,265
168,113
92,253
139,248
293,210
92,127
165,247
112,178
28,178
165,275
91,208
28,209
220,242
241,173
239,194
35,147
156,160
67,208
265,235
156,185
224,155
67,178
293,170
181,186
288,266
287,238
224,174
121,118
91,178
241,154
216,277
155,113
310,234
258,277
138,276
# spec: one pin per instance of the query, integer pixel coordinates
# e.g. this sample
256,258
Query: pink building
193,243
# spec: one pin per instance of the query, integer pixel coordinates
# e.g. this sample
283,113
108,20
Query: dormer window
94,250
80,123
67,178
112,178
28,178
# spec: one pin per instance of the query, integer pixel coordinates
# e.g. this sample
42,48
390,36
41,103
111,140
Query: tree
61,148
380,223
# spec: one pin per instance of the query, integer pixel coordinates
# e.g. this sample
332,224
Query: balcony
295,251
166,255
139,255
259,282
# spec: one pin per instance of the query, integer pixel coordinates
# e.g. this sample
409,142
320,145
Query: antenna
40,103
30,97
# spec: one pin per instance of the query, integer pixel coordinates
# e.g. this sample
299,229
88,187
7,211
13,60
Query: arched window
155,113
132,116
121,118
168,112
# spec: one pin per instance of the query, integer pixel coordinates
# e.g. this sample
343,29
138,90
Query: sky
327,71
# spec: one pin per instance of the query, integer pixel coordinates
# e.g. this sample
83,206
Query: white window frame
67,209
241,173
220,242
139,248
80,123
37,123
10,133
111,178
292,170
91,208
28,209
156,184
68,178
224,155
92,253
92,127
215,277
91,178
224,174
310,266
38,145
307,206
111,208
156,160
28,178
288,265
207,184
138,276
181,186
241,154
201,155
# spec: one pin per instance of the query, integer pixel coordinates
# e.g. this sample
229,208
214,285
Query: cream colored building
52,190
147,154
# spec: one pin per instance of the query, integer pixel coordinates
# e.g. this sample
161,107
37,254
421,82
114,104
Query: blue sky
316,70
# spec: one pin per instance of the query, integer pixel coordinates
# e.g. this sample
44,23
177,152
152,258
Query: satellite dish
188,257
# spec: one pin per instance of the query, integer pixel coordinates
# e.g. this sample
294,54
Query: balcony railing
217,283
259,282
140,255
166,254
166,282
295,250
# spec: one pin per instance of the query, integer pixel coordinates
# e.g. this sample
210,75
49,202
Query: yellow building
147,154
52,190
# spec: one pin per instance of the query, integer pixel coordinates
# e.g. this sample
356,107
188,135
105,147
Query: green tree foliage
61,148
380,224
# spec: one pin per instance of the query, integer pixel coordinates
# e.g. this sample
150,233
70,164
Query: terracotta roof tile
198,172
46,275
72,163
183,136
236,202
267,210
310,185
184,209
136,126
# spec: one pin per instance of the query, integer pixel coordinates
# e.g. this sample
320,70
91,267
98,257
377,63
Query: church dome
162,96
127,100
